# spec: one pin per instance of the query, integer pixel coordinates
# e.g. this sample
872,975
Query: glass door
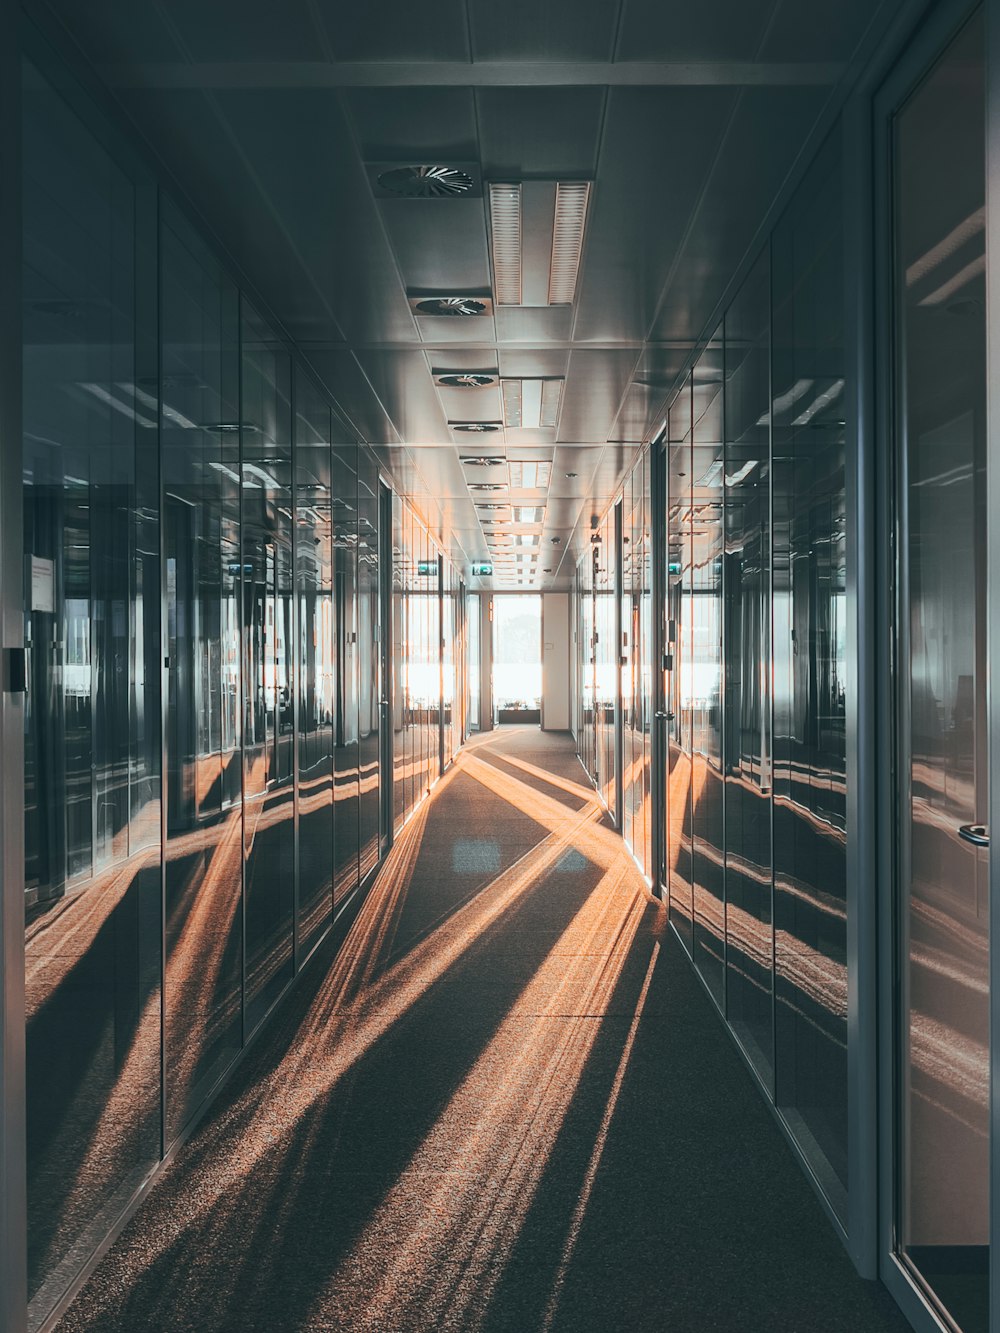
941,1117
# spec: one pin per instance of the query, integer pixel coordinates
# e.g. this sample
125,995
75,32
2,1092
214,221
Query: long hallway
466,1117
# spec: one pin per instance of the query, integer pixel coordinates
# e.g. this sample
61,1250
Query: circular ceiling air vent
426,182
452,305
476,427
466,380
482,460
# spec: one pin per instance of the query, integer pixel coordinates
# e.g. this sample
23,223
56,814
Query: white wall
555,661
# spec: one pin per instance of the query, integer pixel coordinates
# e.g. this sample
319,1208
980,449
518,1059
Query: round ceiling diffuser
468,380
426,182
451,305
476,427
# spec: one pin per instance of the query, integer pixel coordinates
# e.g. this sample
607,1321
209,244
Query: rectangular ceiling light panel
529,476
536,235
532,404
505,233
572,198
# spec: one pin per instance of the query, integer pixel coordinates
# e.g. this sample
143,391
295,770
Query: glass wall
369,659
747,637
942,1116
92,714
201,602
637,677
809,624
703,678
677,794
606,669
754,804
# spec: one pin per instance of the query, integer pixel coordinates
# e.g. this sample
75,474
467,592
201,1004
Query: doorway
517,659
935,116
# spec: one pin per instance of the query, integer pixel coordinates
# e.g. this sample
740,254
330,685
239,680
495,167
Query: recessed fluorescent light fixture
528,513
529,476
505,235
572,198
531,403
536,235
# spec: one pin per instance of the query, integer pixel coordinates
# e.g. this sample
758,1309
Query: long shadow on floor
505,1105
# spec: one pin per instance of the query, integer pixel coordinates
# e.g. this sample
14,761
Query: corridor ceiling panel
687,121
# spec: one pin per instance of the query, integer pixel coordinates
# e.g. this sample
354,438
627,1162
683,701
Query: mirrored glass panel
943,855
316,681
704,700
268,665
200,460
809,610
369,663
678,674
92,733
345,542
747,730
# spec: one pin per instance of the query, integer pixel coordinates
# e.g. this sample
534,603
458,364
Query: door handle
977,834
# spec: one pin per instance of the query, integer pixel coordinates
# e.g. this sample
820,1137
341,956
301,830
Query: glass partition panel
369,663
749,913
268,731
810,909
943,1082
399,651
705,660
92,737
346,790
200,460
679,677
316,681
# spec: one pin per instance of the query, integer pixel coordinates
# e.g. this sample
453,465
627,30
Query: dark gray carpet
505,1104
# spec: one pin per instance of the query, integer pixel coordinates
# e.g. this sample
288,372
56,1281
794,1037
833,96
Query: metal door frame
881,628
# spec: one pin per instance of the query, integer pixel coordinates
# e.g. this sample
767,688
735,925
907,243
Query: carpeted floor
503,1104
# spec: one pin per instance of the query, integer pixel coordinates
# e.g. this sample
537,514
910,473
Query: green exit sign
483,571
428,568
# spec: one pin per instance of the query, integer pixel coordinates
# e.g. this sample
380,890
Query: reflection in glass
316,682
268,666
678,685
943,1115
345,553
747,729
369,664
809,580
201,511
92,736
703,702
